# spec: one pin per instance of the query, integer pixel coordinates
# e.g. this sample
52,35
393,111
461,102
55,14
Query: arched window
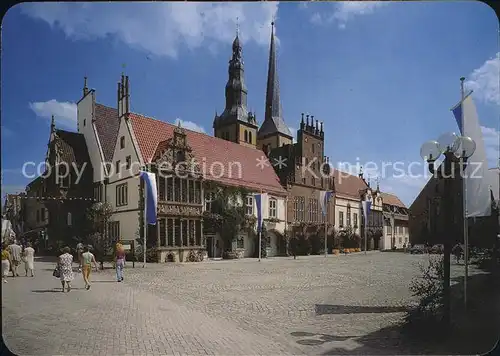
250,136
246,136
348,214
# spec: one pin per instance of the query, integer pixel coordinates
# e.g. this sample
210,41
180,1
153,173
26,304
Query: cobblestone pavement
244,307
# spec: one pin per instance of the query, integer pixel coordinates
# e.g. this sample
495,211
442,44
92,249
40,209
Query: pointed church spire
273,118
236,91
52,124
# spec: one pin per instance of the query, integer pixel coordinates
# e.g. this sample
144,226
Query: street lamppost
455,149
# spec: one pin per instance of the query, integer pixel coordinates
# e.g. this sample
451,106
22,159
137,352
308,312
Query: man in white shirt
15,254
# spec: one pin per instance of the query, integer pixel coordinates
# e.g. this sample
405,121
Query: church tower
236,123
273,133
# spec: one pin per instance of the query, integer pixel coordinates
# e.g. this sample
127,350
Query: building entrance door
210,246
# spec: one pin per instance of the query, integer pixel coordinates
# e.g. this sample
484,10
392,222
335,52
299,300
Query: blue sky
382,76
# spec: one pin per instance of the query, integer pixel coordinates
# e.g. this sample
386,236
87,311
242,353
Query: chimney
307,122
127,95
119,95
85,89
317,127
302,122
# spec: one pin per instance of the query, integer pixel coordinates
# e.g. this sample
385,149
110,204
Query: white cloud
159,28
491,138
64,112
485,81
345,11
189,125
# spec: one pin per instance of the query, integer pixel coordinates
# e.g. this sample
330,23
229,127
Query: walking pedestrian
65,265
15,256
5,262
119,262
29,259
87,260
79,252
293,243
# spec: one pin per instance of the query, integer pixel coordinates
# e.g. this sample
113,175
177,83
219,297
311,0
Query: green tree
228,214
99,216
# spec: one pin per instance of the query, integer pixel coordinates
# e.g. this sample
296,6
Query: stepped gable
151,134
72,147
348,185
392,199
107,124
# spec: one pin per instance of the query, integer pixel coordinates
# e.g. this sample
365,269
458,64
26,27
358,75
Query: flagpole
464,202
145,223
260,226
326,229
365,215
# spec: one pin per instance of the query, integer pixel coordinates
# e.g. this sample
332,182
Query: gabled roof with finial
273,119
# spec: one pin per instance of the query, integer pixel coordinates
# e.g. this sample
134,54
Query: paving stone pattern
277,306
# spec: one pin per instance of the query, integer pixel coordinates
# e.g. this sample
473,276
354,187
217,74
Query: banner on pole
151,195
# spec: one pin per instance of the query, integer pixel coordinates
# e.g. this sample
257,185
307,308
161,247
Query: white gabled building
120,143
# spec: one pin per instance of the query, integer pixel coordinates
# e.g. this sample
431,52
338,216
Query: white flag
476,174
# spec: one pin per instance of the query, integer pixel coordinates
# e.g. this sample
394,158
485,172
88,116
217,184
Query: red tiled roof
107,125
150,132
348,185
392,199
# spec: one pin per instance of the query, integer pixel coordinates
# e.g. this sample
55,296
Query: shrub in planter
426,317
151,256
229,255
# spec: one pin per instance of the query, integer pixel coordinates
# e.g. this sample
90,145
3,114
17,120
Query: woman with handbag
5,262
65,268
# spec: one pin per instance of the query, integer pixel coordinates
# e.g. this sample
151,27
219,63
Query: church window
209,197
170,232
250,137
184,232
163,232
272,208
249,204
246,136
177,232
177,189
122,142
184,190
170,188
121,194
197,192
161,188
